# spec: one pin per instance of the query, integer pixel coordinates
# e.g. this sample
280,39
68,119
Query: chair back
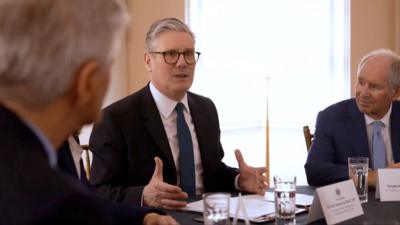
308,137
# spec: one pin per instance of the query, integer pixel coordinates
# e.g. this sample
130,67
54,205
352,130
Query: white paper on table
258,208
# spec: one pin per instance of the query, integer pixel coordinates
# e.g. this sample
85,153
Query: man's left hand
373,174
251,179
394,166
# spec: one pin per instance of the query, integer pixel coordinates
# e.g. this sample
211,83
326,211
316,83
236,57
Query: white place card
388,185
337,202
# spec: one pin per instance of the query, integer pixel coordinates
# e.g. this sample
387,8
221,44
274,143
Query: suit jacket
131,134
341,133
67,165
31,192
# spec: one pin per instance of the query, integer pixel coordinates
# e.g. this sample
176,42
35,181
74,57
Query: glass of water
285,199
358,172
216,208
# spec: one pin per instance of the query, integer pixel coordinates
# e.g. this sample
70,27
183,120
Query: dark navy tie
378,146
84,178
186,158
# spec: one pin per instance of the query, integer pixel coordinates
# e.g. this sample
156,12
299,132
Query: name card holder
336,202
388,185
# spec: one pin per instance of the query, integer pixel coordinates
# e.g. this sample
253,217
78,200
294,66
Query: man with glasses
162,144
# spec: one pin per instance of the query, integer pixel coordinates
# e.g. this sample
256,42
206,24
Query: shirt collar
51,153
385,119
164,104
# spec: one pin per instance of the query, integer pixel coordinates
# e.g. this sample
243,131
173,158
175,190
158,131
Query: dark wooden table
375,212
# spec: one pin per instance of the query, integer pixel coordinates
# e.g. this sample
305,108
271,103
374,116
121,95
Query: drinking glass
216,208
285,199
358,172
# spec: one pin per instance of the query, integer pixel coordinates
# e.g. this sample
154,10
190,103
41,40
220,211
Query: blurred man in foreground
55,59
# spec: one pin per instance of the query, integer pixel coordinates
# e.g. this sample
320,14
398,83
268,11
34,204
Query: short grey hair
394,70
44,42
163,25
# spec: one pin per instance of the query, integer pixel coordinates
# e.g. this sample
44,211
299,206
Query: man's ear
83,86
147,60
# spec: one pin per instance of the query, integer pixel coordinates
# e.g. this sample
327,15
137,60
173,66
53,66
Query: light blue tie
378,146
186,158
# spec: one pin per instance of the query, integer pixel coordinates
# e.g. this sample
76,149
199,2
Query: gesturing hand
157,193
251,179
155,219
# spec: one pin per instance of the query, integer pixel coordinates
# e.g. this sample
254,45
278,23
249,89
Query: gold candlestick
267,134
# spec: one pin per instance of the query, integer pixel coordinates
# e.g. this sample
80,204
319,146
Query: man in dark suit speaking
162,143
55,59
367,126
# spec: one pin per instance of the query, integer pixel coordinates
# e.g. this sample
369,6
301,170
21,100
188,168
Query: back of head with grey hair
163,25
394,70
44,42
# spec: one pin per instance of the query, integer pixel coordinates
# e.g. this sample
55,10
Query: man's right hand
160,194
371,178
373,175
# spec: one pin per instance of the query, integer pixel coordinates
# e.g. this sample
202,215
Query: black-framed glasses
172,57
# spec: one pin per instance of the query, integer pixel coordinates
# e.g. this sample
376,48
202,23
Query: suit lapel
155,126
200,122
358,131
395,131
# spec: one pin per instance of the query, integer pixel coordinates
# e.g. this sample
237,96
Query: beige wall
128,73
374,24
119,74
144,13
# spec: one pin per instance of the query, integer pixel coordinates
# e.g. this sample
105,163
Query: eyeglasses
172,57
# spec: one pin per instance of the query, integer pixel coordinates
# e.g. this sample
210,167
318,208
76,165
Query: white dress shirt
166,107
385,134
76,152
